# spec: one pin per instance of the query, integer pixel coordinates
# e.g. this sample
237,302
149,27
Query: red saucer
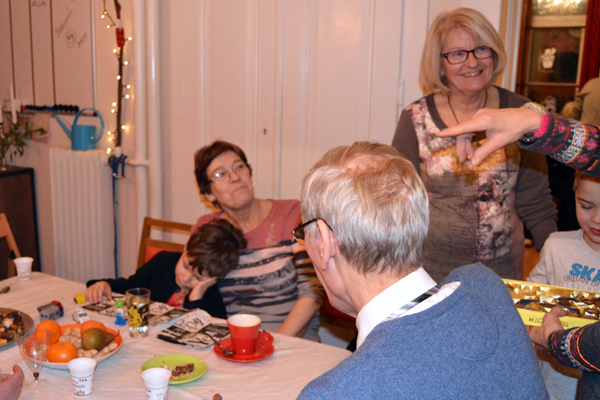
264,349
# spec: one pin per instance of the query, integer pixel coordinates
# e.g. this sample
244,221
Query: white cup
23,265
157,383
82,375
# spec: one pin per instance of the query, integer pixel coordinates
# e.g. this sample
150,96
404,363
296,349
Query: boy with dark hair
184,280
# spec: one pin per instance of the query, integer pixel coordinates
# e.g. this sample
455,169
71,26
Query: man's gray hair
374,202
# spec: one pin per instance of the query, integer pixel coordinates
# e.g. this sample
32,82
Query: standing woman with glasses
476,213
275,279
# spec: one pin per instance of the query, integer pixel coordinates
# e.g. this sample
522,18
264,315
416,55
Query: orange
62,352
92,324
52,326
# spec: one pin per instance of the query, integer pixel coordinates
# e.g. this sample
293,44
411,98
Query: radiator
82,214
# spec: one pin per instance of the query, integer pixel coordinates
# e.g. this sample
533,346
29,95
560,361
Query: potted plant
12,139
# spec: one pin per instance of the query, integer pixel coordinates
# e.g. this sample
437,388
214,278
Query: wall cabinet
17,201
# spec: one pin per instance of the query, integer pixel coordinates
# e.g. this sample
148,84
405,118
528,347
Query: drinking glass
138,310
34,350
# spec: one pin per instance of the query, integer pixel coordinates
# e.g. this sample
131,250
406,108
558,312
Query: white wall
284,79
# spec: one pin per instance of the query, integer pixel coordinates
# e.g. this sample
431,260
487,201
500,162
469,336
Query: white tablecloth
282,376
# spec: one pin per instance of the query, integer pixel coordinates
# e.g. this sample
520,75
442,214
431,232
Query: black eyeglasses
298,232
460,56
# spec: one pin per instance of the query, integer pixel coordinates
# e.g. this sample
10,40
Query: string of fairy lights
123,89
117,159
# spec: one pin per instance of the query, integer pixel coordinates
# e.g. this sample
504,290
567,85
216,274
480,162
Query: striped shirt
273,273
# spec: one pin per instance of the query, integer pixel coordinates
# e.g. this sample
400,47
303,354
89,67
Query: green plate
173,360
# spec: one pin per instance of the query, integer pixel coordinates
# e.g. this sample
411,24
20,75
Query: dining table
293,364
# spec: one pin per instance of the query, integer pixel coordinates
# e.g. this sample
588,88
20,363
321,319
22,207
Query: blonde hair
431,76
374,202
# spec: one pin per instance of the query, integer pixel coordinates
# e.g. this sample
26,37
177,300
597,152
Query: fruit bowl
63,328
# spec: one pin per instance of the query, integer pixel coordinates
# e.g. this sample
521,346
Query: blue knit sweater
472,345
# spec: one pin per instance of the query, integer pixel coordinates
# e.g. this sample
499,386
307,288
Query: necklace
452,109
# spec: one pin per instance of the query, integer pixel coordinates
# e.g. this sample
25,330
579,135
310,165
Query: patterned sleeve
571,143
577,347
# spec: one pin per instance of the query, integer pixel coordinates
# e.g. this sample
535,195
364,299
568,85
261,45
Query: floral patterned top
476,213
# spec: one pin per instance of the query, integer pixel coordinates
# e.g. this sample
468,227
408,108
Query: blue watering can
83,137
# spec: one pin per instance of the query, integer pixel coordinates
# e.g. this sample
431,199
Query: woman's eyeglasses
460,56
240,169
298,232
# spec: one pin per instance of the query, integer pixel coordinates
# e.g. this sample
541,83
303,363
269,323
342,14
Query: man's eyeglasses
240,169
460,56
298,232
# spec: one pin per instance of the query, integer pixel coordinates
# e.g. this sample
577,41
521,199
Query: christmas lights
117,106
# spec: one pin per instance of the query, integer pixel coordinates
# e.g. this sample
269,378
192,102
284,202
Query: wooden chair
5,232
149,247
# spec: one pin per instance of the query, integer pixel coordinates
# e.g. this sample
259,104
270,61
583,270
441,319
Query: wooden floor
531,259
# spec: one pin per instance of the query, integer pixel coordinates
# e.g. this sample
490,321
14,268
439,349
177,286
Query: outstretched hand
501,126
94,293
10,385
539,334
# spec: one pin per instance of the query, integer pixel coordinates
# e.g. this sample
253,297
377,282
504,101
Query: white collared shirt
398,295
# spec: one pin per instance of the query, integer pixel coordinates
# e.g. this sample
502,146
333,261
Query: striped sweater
273,273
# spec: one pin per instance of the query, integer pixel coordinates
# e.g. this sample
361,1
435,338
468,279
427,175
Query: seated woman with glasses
275,279
476,213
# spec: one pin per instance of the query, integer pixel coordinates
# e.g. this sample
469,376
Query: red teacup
244,332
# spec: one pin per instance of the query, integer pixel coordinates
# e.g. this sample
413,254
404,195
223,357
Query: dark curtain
591,49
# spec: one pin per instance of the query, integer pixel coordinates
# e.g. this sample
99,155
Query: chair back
6,233
149,246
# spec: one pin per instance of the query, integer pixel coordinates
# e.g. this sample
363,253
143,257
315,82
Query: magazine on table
159,312
193,330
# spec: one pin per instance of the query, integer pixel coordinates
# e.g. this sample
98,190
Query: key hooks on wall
115,162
